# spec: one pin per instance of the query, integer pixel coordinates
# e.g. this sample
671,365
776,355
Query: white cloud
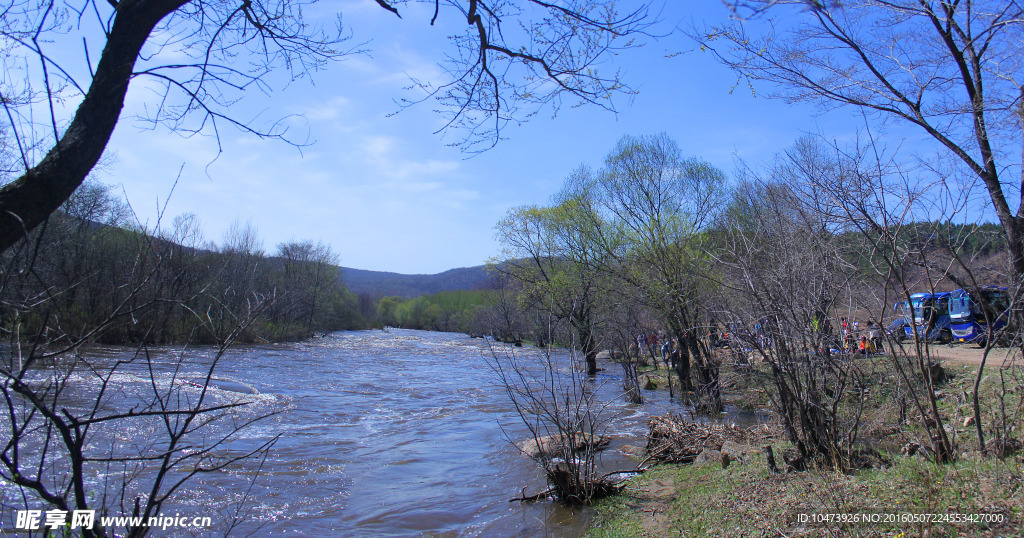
332,109
386,160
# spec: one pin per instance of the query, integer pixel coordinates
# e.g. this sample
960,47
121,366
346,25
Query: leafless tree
308,271
558,407
863,192
952,69
202,56
240,270
625,323
80,437
784,276
504,316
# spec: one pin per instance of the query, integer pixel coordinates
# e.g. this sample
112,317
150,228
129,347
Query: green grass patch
747,500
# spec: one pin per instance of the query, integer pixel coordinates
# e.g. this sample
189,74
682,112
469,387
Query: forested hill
379,283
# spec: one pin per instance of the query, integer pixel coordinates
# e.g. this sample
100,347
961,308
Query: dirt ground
972,354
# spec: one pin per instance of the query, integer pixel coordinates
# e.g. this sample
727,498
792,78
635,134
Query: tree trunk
587,346
29,200
681,361
707,373
591,363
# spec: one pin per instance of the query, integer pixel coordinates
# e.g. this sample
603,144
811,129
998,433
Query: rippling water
396,433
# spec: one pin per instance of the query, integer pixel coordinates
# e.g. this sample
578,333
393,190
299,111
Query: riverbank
899,492
747,499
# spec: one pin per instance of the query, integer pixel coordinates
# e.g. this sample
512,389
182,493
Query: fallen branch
674,439
602,487
533,498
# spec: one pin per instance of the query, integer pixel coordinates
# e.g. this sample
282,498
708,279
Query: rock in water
553,445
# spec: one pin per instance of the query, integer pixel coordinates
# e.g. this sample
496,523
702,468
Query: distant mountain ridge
381,283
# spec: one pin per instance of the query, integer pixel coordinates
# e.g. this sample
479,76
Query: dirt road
972,354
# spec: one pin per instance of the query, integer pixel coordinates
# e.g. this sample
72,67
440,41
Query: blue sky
387,194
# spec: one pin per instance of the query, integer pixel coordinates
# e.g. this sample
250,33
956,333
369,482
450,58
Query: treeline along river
381,433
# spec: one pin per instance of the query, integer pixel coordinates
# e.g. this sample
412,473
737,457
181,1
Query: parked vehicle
967,313
928,314
896,329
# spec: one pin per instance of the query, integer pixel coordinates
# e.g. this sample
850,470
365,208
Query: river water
382,433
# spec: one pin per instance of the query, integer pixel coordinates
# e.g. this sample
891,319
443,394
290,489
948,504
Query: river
384,433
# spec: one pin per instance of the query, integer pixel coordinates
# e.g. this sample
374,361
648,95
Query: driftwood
550,492
608,484
571,481
572,489
674,439
562,486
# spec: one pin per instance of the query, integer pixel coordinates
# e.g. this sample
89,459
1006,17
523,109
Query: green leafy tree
387,309
558,255
661,205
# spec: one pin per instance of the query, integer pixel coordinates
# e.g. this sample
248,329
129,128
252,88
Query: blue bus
967,313
929,313
905,319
